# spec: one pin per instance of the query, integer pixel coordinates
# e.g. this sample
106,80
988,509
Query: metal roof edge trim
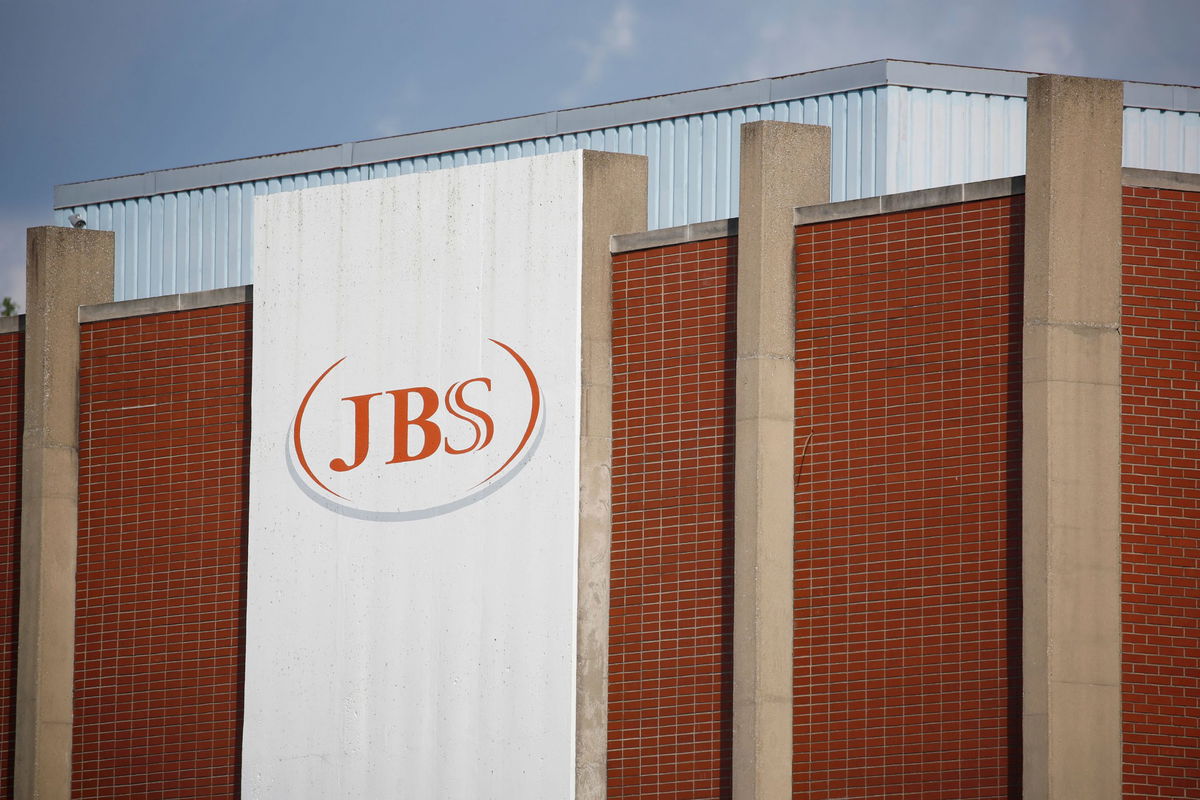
853,77
145,306
909,201
981,80
1160,179
482,134
1162,97
950,78
665,237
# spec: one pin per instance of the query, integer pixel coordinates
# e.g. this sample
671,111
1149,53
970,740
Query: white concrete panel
411,593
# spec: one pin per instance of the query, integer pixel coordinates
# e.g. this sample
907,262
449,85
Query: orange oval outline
535,409
296,429
534,412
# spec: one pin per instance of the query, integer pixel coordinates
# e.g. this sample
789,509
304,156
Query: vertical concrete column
65,268
783,165
1071,471
614,201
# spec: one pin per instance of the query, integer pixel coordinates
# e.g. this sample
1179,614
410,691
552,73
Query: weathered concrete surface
1071,471
908,201
65,268
164,304
783,165
614,202
681,234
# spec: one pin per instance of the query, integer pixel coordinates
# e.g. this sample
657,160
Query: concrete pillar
65,268
614,201
783,165
1071,471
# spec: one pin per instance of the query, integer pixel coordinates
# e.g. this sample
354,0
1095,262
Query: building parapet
909,201
144,306
680,234
1161,179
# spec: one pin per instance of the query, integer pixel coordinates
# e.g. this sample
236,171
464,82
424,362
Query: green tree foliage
8,308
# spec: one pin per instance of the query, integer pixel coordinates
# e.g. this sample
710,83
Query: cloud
818,35
1131,39
615,40
405,101
1048,45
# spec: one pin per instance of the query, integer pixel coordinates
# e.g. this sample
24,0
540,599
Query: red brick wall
12,408
1160,466
163,469
907,445
672,568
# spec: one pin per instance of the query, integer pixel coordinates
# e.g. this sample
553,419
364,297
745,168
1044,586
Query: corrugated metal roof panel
202,238
867,75
885,139
936,138
1163,140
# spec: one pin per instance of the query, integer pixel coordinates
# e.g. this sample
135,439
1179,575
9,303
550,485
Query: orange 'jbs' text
413,411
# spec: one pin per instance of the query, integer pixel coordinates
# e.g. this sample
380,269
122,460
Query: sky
98,89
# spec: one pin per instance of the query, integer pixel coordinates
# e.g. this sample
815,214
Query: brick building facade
912,660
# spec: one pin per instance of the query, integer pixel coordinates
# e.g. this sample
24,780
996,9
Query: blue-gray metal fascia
1012,83
465,137
666,106
1162,97
228,172
747,94
922,75
202,176
484,134
867,75
109,189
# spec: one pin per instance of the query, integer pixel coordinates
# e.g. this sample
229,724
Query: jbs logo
415,449
422,421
